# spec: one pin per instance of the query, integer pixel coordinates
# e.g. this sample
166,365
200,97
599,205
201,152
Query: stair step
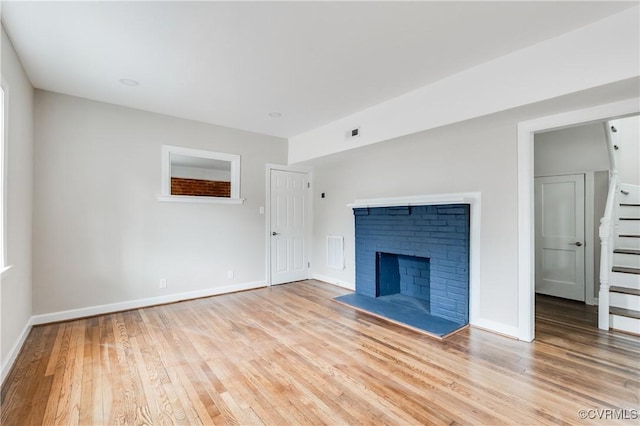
629,225
627,251
625,298
624,290
624,312
626,258
635,271
619,279
628,209
624,324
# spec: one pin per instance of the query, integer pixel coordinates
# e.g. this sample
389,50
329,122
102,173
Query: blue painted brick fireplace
429,246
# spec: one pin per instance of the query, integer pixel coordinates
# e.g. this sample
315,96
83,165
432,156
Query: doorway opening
571,168
526,198
571,185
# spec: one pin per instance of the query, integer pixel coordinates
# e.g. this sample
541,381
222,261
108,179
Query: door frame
267,214
589,240
526,237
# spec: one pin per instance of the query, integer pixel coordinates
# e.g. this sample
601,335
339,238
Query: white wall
574,150
601,53
629,153
425,164
475,155
15,286
100,234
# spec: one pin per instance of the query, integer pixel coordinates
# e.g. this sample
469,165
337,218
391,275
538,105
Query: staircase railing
607,229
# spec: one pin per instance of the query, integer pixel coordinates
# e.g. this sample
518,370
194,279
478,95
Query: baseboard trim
496,327
141,303
15,350
341,283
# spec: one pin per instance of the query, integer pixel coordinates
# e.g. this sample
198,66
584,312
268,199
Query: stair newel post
606,231
605,268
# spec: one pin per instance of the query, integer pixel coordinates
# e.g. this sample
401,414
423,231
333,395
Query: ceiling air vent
353,133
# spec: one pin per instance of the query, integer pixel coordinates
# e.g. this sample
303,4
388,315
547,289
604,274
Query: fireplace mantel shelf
417,200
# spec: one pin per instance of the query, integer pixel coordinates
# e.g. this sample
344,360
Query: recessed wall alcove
413,264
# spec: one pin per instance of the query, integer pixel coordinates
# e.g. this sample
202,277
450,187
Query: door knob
577,243
274,233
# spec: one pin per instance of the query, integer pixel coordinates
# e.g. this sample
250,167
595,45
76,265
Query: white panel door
559,205
289,226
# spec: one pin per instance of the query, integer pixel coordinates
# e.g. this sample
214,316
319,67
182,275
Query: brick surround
437,233
200,187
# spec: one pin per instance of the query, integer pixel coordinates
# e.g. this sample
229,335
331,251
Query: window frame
4,120
234,159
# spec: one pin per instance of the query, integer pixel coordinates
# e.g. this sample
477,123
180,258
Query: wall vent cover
335,252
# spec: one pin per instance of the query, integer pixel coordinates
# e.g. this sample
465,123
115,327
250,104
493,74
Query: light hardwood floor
290,355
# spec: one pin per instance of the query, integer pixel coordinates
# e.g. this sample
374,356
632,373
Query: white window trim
165,194
5,271
4,119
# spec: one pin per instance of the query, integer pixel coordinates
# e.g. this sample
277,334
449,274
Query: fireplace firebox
401,274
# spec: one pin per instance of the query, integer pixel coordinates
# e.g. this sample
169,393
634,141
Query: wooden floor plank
290,355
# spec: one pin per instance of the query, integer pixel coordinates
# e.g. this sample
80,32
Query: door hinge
308,184
308,264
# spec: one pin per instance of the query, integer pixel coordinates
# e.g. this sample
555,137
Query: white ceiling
232,63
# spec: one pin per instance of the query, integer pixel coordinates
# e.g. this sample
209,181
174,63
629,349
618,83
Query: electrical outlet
230,273
163,283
